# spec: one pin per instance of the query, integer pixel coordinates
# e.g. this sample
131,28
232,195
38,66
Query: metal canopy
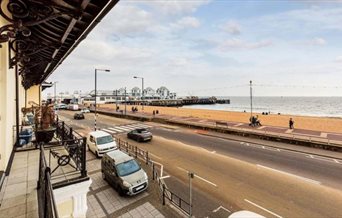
42,33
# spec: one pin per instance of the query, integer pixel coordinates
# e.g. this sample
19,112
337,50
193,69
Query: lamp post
54,85
142,90
191,176
106,70
251,94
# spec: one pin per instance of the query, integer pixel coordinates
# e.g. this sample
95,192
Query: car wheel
97,154
120,191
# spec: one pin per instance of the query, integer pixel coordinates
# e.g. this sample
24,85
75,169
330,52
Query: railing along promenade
224,127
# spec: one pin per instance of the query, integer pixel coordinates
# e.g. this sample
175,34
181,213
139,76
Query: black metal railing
47,204
166,193
75,144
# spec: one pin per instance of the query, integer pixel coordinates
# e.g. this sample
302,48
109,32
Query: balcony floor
18,194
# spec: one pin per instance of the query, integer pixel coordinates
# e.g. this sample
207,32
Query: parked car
60,106
245,214
85,110
100,142
140,135
124,173
73,107
78,116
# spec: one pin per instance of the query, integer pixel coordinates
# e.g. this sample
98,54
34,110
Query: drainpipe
17,104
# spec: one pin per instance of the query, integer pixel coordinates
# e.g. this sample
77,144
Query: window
104,140
91,139
127,168
102,98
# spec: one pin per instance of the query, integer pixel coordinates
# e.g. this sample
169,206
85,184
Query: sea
307,106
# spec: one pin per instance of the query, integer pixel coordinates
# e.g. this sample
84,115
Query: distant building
163,92
136,92
116,96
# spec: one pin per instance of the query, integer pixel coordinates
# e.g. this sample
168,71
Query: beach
324,124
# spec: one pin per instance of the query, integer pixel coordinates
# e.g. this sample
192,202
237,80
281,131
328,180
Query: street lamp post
106,70
54,85
191,176
142,90
251,94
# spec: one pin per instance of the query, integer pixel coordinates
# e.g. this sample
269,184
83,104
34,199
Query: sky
212,48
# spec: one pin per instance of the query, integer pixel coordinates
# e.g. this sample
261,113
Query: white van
124,173
100,142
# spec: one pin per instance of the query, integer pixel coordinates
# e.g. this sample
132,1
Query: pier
179,102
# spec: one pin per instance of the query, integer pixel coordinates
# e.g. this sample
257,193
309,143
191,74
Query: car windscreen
104,140
127,168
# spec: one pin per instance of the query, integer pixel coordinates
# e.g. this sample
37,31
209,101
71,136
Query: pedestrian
154,113
157,112
291,123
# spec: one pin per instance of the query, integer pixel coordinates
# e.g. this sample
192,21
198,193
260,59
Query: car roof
99,133
119,156
245,214
141,129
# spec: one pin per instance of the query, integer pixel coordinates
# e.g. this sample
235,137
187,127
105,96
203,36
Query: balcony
59,167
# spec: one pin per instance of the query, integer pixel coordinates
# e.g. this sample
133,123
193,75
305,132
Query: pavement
104,201
321,137
18,196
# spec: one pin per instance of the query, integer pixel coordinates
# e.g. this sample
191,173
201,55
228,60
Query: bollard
146,157
163,194
136,152
153,171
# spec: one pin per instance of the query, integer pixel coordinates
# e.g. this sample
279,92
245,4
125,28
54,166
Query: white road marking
331,160
213,152
164,177
241,143
247,144
258,206
203,179
293,175
115,129
278,149
107,130
263,147
221,207
121,128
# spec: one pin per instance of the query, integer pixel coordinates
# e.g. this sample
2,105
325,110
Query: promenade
324,139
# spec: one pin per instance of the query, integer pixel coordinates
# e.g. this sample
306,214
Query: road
234,176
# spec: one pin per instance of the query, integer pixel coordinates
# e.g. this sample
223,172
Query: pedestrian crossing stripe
110,131
126,128
139,126
115,129
122,128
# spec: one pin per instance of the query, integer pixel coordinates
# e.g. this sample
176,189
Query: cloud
231,27
238,44
186,22
338,59
117,22
317,41
171,7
